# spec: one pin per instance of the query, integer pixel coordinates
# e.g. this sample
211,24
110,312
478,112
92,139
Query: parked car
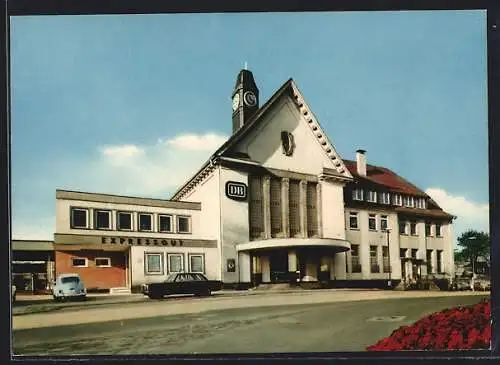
462,284
14,293
182,283
69,286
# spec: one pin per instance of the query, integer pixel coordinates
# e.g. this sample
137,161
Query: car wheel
207,293
155,295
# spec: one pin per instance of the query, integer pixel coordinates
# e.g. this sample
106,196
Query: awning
90,246
337,245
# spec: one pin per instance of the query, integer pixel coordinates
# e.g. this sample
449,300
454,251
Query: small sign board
231,265
236,190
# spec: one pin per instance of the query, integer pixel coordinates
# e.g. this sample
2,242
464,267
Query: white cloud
154,170
42,228
470,214
207,142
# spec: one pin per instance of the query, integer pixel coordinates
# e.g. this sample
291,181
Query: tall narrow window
293,204
384,198
383,222
427,229
353,220
438,230
414,252
439,265
396,199
372,222
385,258
428,260
413,228
256,207
374,268
312,214
276,224
355,263
402,227
402,252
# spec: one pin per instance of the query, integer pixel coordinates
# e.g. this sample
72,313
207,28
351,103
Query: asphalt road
306,327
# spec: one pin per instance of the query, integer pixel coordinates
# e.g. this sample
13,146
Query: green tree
472,245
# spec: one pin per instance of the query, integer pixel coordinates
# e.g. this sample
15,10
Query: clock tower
245,99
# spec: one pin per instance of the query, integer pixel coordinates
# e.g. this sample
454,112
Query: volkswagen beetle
69,286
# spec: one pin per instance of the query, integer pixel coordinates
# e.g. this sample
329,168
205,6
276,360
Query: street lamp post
387,230
473,261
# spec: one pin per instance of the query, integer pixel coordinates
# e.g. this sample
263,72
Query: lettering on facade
236,190
140,241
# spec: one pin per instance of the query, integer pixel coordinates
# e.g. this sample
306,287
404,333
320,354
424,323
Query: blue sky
134,104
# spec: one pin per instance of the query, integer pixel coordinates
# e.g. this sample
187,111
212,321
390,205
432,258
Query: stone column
244,267
303,208
285,187
319,209
266,202
266,269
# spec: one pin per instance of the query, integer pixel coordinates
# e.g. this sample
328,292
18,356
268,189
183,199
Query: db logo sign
236,190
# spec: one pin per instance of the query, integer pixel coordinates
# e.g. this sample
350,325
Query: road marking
386,319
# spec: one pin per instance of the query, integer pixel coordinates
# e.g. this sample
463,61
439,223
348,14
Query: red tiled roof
385,177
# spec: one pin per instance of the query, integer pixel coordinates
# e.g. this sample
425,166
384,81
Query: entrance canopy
336,245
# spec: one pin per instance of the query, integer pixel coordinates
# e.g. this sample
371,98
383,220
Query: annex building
274,204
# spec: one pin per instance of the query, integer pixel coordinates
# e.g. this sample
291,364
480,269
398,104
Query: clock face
236,101
250,98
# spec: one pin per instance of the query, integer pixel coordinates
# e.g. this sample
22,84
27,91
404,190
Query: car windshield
170,278
70,279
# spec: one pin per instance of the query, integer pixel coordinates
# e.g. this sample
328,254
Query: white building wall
137,257
332,210
235,224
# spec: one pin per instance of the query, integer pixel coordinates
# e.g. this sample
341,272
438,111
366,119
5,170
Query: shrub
452,329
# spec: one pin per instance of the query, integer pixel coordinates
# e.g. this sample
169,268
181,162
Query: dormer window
396,199
385,198
421,204
372,196
357,194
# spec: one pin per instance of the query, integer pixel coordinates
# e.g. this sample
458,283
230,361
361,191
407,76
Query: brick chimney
361,162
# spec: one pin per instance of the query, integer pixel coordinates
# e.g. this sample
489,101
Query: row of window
373,196
154,263
125,222
375,268
84,262
405,227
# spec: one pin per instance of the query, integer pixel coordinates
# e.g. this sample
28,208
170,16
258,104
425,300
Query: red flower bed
459,328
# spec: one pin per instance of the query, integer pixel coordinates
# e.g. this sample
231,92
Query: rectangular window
396,199
145,222
124,221
385,259
294,207
372,222
428,260
372,196
102,262
357,194
355,263
414,252
197,263
353,220
175,263
79,262
384,198
406,201
183,224
428,229
164,223
312,213
402,227
413,228
153,263
102,219
402,252
275,202
438,230
79,218
439,265
411,202
383,223
374,268
256,207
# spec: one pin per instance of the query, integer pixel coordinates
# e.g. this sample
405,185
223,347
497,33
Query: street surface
309,321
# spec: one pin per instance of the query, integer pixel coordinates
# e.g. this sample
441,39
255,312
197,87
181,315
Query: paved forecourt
166,307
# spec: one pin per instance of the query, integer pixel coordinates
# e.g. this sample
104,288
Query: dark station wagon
182,283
